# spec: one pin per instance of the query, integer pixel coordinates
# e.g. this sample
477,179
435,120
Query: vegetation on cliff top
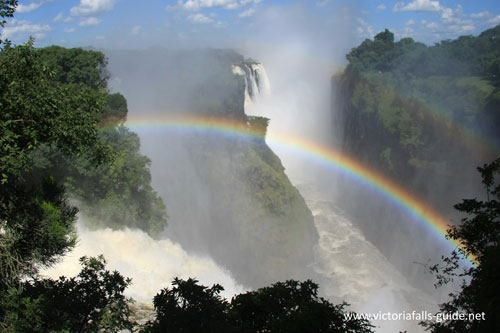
416,109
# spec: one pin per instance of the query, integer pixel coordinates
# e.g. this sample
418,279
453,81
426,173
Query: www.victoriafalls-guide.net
416,316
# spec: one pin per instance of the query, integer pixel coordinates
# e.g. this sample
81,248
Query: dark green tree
292,306
43,120
117,194
90,302
114,194
289,306
116,109
479,235
39,118
190,307
76,66
7,9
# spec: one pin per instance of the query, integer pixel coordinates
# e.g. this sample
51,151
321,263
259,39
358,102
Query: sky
131,24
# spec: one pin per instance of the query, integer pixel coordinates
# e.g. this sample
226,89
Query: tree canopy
479,235
290,306
58,126
38,119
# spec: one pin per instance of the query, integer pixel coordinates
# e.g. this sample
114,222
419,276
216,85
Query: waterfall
152,264
348,266
256,80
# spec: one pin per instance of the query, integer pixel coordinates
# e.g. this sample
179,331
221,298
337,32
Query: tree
479,235
116,109
39,119
7,9
115,194
76,66
290,306
190,307
43,119
90,302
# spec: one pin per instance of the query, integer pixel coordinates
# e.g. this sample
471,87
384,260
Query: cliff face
228,195
422,115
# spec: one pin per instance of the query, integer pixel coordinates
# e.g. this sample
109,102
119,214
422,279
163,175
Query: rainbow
415,207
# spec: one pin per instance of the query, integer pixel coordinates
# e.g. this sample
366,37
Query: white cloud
220,24
410,22
224,4
92,7
451,23
247,13
364,29
323,3
418,6
480,15
136,30
485,19
22,28
200,18
69,30
68,19
432,25
58,17
28,8
447,14
382,7
246,2
89,21
494,20
466,28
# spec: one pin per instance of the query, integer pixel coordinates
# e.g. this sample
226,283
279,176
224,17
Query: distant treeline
412,111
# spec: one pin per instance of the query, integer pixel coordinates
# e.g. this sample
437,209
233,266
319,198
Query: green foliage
479,235
421,101
76,66
52,102
39,117
37,227
421,116
43,122
118,194
7,9
90,302
190,307
116,110
258,125
289,306
466,55
292,306
268,221
38,111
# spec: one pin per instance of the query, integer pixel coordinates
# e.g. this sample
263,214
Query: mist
151,264
348,250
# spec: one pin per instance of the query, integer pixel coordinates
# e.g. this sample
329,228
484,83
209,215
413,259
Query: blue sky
225,23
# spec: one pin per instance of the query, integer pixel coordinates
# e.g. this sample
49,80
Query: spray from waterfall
151,264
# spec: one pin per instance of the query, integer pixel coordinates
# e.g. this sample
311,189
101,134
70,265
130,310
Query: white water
256,81
152,264
352,268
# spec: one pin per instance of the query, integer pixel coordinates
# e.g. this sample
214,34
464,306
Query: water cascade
256,80
349,267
